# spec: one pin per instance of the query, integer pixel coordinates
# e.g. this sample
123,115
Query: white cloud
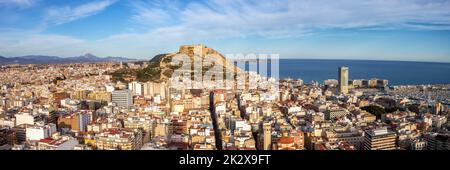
17,3
291,17
165,23
161,24
61,15
155,11
19,42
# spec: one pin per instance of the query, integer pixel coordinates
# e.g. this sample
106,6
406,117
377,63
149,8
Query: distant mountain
42,59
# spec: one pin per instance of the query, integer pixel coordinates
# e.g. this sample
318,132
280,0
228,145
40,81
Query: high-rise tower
267,138
343,80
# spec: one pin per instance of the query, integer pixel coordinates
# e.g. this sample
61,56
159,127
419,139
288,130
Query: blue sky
411,30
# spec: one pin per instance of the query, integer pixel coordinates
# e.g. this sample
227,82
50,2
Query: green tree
375,110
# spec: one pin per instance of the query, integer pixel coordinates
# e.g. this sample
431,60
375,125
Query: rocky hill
160,67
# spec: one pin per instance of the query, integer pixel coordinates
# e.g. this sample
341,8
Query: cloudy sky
412,30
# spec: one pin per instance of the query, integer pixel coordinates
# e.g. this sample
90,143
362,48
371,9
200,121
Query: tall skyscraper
343,80
148,89
122,98
136,88
84,118
438,108
267,138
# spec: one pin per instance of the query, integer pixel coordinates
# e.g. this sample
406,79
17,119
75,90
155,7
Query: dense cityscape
83,106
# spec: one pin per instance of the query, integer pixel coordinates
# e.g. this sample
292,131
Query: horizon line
284,58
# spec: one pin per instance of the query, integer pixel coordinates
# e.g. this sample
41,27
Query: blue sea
397,72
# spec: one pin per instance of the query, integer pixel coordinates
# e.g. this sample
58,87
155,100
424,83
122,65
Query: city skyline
164,105
370,30
224,83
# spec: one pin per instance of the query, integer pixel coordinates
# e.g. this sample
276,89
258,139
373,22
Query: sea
397,72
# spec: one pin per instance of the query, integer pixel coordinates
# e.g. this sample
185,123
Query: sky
407,30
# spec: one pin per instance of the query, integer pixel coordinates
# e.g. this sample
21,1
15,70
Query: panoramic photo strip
247,80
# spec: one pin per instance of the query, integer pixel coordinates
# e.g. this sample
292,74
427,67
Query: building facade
343,80
379,139
122,98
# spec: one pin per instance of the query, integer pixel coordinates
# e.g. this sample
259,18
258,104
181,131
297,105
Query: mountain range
42,59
